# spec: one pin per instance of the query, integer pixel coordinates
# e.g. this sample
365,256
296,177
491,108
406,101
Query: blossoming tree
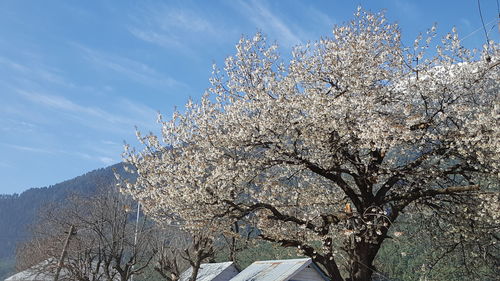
325,151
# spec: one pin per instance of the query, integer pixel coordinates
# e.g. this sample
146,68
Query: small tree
168,244
325,152
177,251
103,246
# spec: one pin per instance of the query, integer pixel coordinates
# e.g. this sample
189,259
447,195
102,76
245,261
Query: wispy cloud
465,22
172,27
156,37
62,103
264,18
107,160
320,17
140,111
93,156
13,65
32,149
128,114
135,70
36,71
27,148
13,126
409,9
109,142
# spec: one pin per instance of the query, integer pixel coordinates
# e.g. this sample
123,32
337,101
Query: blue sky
77,76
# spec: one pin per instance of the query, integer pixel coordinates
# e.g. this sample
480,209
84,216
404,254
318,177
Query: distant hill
18,211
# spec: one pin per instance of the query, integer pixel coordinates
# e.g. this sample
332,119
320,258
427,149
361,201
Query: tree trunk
332,270
194,274
362,256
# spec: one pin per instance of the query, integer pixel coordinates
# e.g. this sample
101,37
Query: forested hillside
18,211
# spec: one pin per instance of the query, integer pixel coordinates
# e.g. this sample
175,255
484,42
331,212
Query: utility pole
64,251
135,236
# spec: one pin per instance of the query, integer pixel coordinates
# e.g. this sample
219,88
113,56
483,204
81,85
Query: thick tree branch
279,216
418,194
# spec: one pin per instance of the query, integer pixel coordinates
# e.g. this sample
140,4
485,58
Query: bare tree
179,250
201,249
104,246
169,243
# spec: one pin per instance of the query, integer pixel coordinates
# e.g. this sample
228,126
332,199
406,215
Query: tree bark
333,270
196,268
361,262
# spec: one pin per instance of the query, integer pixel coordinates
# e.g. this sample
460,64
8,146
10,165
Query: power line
498,9
478,29
482,21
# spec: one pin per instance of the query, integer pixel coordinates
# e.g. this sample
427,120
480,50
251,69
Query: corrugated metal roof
30,276
273,270
35,273
210,271
45,271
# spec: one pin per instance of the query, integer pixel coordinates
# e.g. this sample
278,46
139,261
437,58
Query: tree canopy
324,151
